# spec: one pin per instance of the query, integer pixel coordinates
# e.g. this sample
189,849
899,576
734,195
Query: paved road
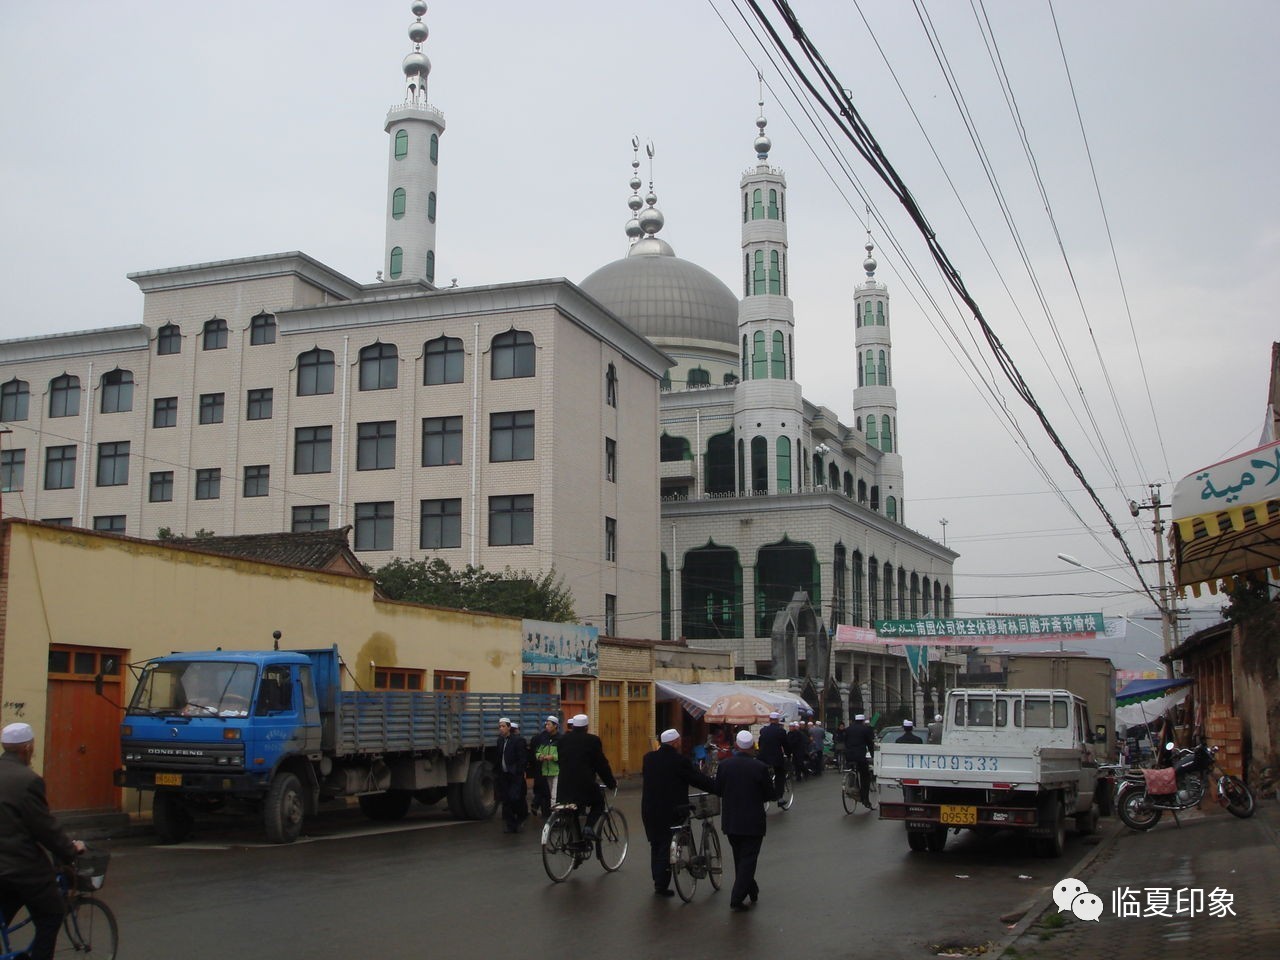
832,886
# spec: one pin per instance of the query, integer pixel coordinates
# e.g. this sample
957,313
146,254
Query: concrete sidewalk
1211,851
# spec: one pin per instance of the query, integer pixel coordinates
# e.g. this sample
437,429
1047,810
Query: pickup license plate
168,779
960,816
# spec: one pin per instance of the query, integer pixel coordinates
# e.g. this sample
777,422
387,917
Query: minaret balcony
411,110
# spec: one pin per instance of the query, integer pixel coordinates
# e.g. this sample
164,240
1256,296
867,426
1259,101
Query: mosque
272,393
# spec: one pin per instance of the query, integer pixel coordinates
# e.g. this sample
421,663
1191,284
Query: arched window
857,317
64,396
914,609
168,340
262,330
856,597
888,590
697,377
744,356
926,598
315,372
215,334
784,274
402,144
862,491
882,371
891,511
775,275
848,484
880,313
861,381
672,449
443,361
759,465
873,590
746,274
14,399
874,503
117,391
759,279
431,206
513,355
873,435
871,369
779,371
397,203
833,476
757,205
773,204
759,357
435,148
783,457
611,385
886,434
396,266
431,266
379,367
746,207
665,383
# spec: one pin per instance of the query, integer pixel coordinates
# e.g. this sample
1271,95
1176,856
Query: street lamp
1168,619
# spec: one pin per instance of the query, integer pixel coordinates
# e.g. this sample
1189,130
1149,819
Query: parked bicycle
566,846
692,858
89,926
851,788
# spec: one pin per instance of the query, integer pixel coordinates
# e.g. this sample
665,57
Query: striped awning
1226,521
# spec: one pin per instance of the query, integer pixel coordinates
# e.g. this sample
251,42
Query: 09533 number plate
961,816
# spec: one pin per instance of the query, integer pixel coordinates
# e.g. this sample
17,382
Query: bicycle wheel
611,840
89,928
711,851
849,790
557,846
788,794
682,854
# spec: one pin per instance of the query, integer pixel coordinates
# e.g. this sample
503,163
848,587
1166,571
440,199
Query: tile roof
316,549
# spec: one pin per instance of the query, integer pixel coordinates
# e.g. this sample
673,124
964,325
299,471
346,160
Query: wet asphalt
832,885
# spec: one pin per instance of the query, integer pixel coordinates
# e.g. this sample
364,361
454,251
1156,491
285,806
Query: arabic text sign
1249,478
991,628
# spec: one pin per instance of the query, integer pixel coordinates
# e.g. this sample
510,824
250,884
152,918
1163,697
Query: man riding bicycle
582,759
772,749
859,745
27,830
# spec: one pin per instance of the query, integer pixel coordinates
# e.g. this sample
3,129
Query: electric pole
1168,609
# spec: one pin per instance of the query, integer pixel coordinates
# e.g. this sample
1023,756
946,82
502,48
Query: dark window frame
257,481
209,483
113,464
440,524
440,437
215,334
376,445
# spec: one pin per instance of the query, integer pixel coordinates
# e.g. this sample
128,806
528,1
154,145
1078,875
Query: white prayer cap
17,733
553,719
506,720
579,720
861,716
745,740
775,715
514,725
937,718
670,736
908,724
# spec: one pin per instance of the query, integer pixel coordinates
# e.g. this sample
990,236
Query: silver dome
418,32
416,65
418,8
665,298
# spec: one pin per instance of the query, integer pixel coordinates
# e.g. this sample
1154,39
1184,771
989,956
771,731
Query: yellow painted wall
77,587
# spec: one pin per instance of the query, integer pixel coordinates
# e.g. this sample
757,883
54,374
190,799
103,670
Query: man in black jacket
773,749
582,759
668,775
745,785
513,757
909,734
27,830
859,745
797,750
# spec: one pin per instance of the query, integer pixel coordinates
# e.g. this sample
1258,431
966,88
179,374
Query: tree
541,596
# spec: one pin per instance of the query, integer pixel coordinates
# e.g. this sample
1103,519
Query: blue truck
274,731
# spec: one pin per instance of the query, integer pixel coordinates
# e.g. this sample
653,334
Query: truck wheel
392,805
282,810
170,817
454,795
1053,845
919,842
430,796
1087,823
478,792
936,839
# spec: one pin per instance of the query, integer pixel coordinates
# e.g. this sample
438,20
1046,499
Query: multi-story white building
511,425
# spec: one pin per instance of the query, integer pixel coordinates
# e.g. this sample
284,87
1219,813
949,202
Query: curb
1034,912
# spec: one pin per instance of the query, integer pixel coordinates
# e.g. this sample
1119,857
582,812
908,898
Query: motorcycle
1193,769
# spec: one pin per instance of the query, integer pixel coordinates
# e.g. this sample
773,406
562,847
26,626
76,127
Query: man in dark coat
797,750
773,748
745,785
859,745
513,757
668,775
909,734
582,759
27,830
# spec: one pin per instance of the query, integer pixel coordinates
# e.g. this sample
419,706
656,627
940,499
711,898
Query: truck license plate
960,816
168,779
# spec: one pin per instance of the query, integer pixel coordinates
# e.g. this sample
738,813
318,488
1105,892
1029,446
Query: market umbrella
740,706
1143,700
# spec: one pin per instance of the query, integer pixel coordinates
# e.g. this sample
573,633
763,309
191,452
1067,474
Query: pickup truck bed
394,722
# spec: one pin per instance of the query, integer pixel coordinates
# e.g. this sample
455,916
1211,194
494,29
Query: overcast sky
142,135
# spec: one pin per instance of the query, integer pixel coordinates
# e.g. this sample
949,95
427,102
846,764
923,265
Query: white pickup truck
1009,759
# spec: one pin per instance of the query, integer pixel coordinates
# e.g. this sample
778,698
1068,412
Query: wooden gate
82,729
640,736
609,726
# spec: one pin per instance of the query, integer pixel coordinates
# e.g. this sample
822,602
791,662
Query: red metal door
82,736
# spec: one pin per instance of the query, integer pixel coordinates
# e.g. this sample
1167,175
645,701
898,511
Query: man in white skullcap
773,747
859,745
935,729
582,759
27,830
909,734
512,756
745,785
543,747
668,775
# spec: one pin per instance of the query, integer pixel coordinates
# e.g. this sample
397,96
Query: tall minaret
875,402
767,404
414,128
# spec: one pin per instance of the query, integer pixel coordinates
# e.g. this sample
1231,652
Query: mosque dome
666,298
